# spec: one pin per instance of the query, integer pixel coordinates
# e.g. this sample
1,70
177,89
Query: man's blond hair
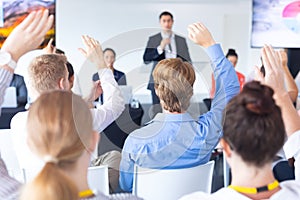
46,71
174,80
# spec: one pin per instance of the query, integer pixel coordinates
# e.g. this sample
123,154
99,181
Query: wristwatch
6,59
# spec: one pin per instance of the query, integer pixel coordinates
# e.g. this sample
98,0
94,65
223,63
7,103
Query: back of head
174,80
45,71
59,129
253,126
231,52
70,69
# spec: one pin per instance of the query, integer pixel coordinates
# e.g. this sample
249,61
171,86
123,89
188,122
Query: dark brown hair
253,126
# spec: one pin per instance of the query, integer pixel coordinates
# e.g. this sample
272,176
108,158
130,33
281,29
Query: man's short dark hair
165,13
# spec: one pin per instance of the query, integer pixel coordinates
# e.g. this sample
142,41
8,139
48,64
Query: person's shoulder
18,76
289,190
179,37
196,196
19,118
240,74
119,72
96,76
155,36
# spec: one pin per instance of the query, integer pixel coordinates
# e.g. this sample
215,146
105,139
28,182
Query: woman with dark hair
253,133
232,56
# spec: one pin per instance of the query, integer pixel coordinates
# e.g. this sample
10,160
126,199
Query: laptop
10,98
126,91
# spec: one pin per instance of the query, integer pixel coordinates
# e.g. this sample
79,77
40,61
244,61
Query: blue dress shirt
172,141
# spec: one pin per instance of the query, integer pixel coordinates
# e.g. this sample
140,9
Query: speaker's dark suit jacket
151,53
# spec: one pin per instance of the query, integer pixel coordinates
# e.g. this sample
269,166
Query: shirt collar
164,35
167,117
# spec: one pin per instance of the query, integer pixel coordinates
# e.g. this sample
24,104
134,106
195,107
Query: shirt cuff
159,50
292,145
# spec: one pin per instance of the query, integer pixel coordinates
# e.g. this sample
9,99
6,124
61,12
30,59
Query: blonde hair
45,72
59,127
174,80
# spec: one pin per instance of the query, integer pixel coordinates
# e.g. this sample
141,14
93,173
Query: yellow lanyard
86,193
247,190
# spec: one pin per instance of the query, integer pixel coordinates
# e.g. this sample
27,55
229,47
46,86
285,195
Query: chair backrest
170,184
98,179
9,156
10,98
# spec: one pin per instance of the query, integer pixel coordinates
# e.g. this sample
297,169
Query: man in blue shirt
173,139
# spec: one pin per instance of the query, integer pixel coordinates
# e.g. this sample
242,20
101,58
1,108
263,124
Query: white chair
9,156
170,184
98,179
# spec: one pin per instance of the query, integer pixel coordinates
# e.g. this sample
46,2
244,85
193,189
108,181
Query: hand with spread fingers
200,35
29,34
274,75
93,51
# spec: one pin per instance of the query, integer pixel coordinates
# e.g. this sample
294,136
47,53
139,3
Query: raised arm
28,35
289,81
113,100
275,79
227,85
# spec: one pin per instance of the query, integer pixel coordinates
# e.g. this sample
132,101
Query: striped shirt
9,186
5,79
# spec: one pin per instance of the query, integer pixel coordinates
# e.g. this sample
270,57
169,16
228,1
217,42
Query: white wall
126,26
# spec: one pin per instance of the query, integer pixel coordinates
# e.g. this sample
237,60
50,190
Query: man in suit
164,45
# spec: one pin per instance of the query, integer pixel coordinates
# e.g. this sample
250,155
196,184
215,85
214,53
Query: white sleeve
113,102
292,149
5,79
159,50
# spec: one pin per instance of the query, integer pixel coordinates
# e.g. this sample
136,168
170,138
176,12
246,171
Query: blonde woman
60,132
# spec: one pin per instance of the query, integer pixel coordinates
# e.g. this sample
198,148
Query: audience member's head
47,72
64,141
71,75
69,67
109,57
174,80
253,126
232,56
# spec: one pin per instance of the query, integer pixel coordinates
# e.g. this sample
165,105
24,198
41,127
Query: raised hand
93,51
199,34
29,34
274,74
